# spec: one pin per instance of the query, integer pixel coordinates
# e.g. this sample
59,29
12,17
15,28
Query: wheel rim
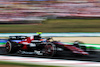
8,46
49,50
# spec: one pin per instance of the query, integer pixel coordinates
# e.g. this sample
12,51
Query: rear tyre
11,47
49,50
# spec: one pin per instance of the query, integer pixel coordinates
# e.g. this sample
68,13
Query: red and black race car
40,46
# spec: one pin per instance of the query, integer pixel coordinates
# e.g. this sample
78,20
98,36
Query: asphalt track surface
94,56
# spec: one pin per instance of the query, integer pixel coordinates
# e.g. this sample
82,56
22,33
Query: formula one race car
40,46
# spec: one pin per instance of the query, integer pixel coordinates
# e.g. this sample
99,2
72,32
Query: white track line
53,62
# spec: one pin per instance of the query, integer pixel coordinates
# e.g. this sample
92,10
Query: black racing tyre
84,48
49,50
11,47
77,45
81,47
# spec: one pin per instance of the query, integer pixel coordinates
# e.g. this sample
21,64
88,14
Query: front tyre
11,47
83,48
49,50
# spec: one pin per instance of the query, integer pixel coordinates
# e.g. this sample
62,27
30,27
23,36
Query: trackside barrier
53,34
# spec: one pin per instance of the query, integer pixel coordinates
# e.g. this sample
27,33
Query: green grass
23,64
55,25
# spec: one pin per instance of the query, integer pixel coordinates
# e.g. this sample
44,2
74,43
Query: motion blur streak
54,62
23,10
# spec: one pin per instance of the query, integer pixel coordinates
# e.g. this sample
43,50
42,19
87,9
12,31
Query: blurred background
54,11
23,10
